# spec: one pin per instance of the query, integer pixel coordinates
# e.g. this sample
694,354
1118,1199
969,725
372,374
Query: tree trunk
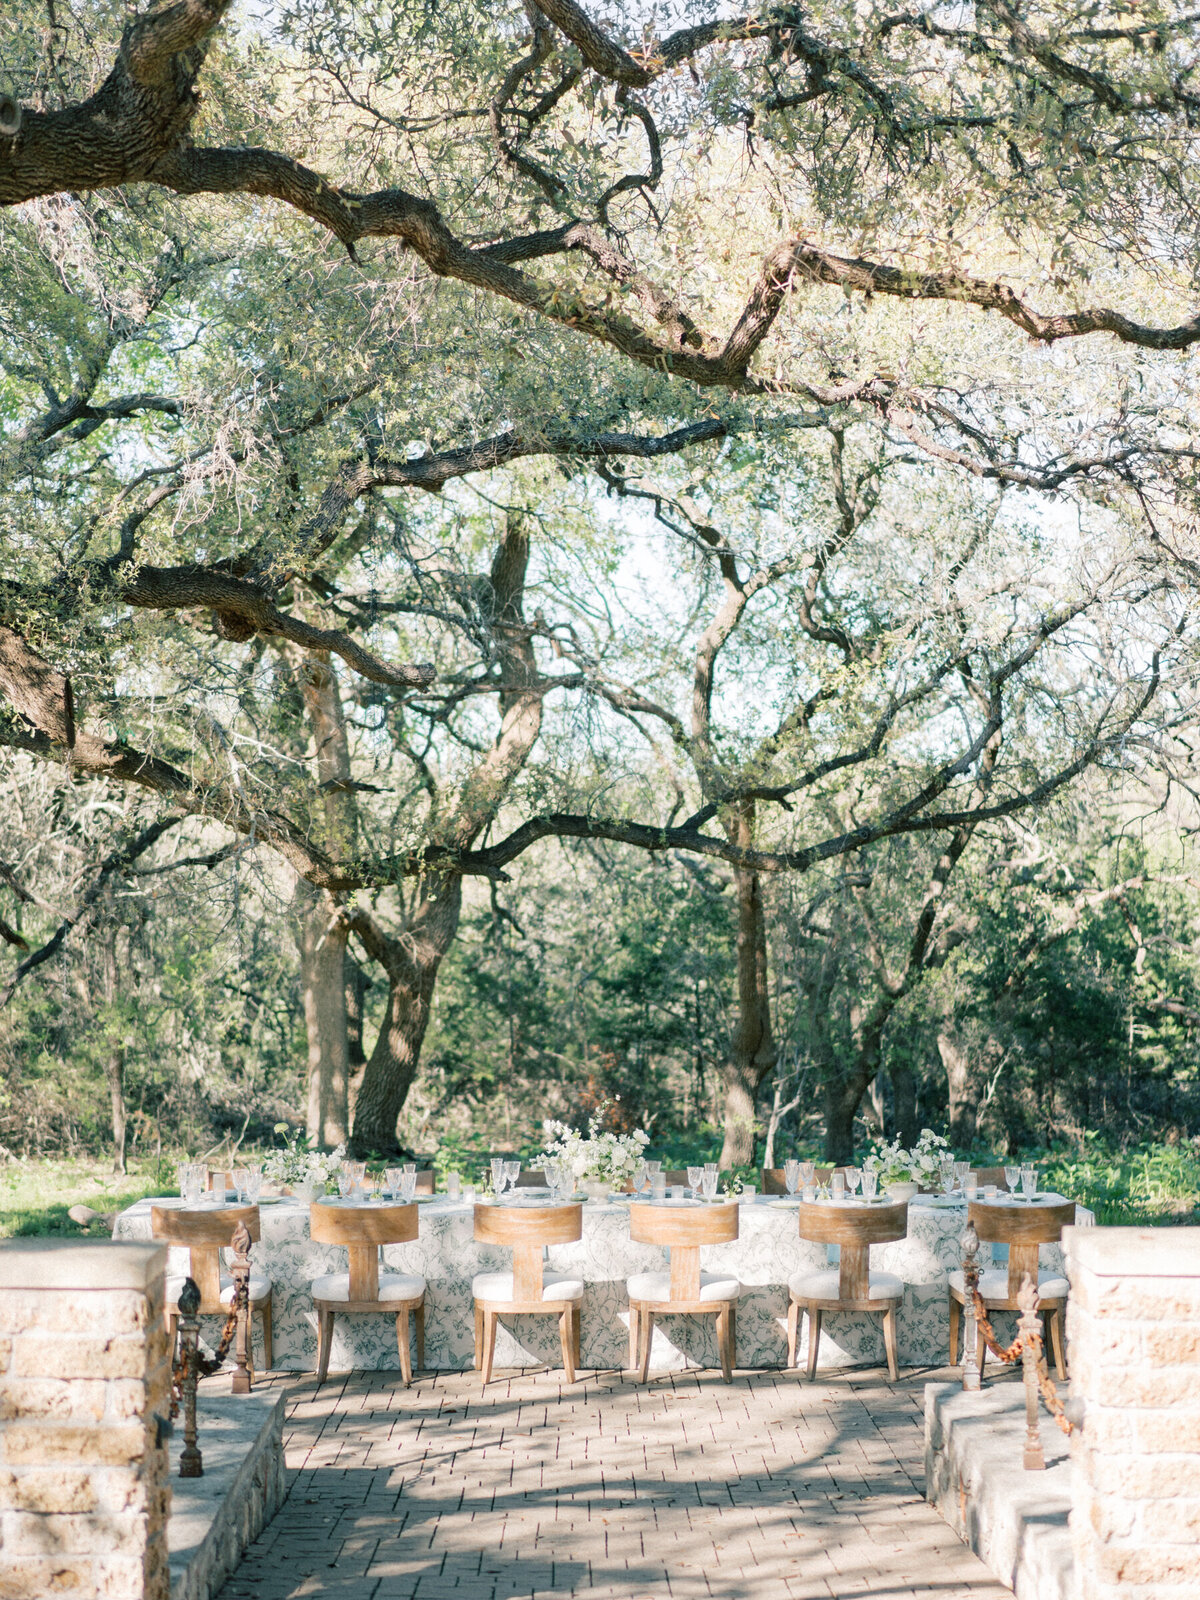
114,1071
841,1106
321,936
752,1051
411,962
904,1103
962,1091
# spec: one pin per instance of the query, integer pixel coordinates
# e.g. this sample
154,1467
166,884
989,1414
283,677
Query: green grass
36,1195
1151,1184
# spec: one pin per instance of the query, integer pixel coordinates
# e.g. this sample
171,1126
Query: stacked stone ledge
84,1380
1133,1322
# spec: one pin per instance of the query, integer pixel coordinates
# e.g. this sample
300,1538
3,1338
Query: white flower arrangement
921,1164
296,1164
599,1156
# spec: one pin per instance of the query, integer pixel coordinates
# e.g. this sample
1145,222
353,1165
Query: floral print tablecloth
767,1253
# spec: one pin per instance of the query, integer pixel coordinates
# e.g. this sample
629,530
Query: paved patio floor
768,1489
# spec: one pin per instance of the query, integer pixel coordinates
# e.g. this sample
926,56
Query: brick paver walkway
769,1489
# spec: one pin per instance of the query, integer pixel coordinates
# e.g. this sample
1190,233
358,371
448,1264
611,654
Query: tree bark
114,1072
752,1052
412,963
321,935
962,1092
904,1102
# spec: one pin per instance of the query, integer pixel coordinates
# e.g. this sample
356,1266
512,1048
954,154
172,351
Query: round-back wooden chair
772,1178
850,1286
361,1230
683,1290
530,1289
1023,1228
204,1234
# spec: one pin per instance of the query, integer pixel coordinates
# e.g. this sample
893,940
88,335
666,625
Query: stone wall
84,1377
1133,1324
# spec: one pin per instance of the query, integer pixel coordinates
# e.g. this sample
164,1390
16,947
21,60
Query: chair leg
420,1320
577,1336
733,1333
955,1317
489,1345
564,1339
889,1342
723,1343
1056,1336
324,1342
793,1331
633,1337
268,1332
478,1337
981,1352
814,1338
403,1334
646,1334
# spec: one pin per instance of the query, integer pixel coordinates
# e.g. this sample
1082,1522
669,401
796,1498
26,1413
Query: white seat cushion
260,1288
499,1286
823,1285
993,1284
392,1286
657,1286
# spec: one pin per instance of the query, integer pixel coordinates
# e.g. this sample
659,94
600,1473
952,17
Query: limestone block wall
84,1376
1133,1322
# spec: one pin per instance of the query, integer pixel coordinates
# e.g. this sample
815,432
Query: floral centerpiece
299,1168
903,1172
599,1159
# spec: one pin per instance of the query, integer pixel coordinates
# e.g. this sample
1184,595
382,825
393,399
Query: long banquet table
767,1253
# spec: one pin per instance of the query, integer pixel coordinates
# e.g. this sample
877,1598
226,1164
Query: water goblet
407,1188
498,1166
1029,1177
961,1168
695,1177
870,1183
1012,1179
808,1173
654,1170
641,1177
253,1188
345,1182
239,1183
710,1179
409,1166
853,1179
512,1171
391,1180
791,1176
949,1183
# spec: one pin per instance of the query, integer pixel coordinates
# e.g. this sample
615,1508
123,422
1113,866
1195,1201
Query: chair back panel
683,1225
204,1234
534,1225
362,1225
772,1178
425,1183
990,1175
824,1223
1010,1224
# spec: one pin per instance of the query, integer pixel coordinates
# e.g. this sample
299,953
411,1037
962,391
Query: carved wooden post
191,1463
1029,1329
970,1267
241,1301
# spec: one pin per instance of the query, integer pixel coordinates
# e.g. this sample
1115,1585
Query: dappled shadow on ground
769,1487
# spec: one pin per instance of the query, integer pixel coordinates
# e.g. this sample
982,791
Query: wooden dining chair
1023,1228
529,1289
684,1290
364,1289
850,1286
772,1178
204,1234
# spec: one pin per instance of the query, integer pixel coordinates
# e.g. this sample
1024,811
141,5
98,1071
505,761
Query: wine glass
1029,1177
870,1183
512,1171
345,1181
710,1179
695,1177
808,1174
253,1187
853,1179
391,1179
239,1184
1012,1179
946,1174
653,1171
498,1166
641,1177
407,1188
791,1176
961,1168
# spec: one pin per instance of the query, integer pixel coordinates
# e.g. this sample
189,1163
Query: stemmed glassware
853,1179
710,1179
870,1183
961,1168
791,1176
1012,1179
251,1187
512,1171
641,1177
498,1165
406,1189
808,1174
695,1177
391,1180
1029,1177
